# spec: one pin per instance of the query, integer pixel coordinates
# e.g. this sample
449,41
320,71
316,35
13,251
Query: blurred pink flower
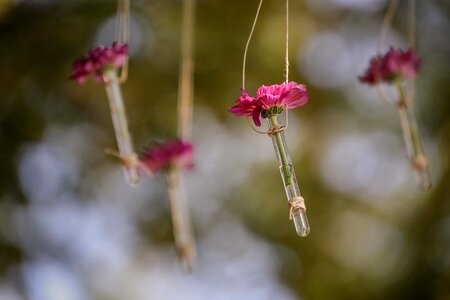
173,153
394,64
97,60
270,100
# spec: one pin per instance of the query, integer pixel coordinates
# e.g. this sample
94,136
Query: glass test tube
120,123
289,179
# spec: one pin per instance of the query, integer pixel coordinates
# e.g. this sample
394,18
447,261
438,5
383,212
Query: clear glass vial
298,212
118,114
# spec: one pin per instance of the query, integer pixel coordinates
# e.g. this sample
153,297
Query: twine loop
274,129
297,203
186,72
286,59
129,161
278,128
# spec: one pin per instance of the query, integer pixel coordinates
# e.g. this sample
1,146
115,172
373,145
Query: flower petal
297,96
256,115
239,110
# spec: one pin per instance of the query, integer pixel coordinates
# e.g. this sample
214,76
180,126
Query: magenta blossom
246,105
270,100
97,60
174,153
396,63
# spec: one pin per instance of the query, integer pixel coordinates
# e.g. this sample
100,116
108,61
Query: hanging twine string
271,131
287,43
244,63
411,23
248,43
122,31
185,83
297,203
122,34
386,25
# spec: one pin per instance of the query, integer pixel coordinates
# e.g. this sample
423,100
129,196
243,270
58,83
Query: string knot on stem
277,128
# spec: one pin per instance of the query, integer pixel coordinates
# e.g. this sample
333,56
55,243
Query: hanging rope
248,43
411,23
287,43
185,83
386,25
278,128
122,33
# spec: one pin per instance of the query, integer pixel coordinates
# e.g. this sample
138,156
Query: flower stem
184,239
411,136
285,162
298,214
120,123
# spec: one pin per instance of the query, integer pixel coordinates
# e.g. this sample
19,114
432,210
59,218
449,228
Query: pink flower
396,63
247,106
270,100
373,74
97,60
174,153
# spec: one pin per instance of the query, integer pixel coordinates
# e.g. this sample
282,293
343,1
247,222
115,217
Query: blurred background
72,229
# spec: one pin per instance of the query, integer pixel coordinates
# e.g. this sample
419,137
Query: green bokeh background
360,247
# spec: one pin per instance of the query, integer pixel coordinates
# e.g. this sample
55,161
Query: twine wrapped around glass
413,142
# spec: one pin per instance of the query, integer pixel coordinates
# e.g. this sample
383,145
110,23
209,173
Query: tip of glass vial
188,265
134,181
423,180
303,231
301,223
187,257
132,176
425,186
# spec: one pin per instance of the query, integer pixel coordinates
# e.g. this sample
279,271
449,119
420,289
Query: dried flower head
270,100
396,63
173,153
97,61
